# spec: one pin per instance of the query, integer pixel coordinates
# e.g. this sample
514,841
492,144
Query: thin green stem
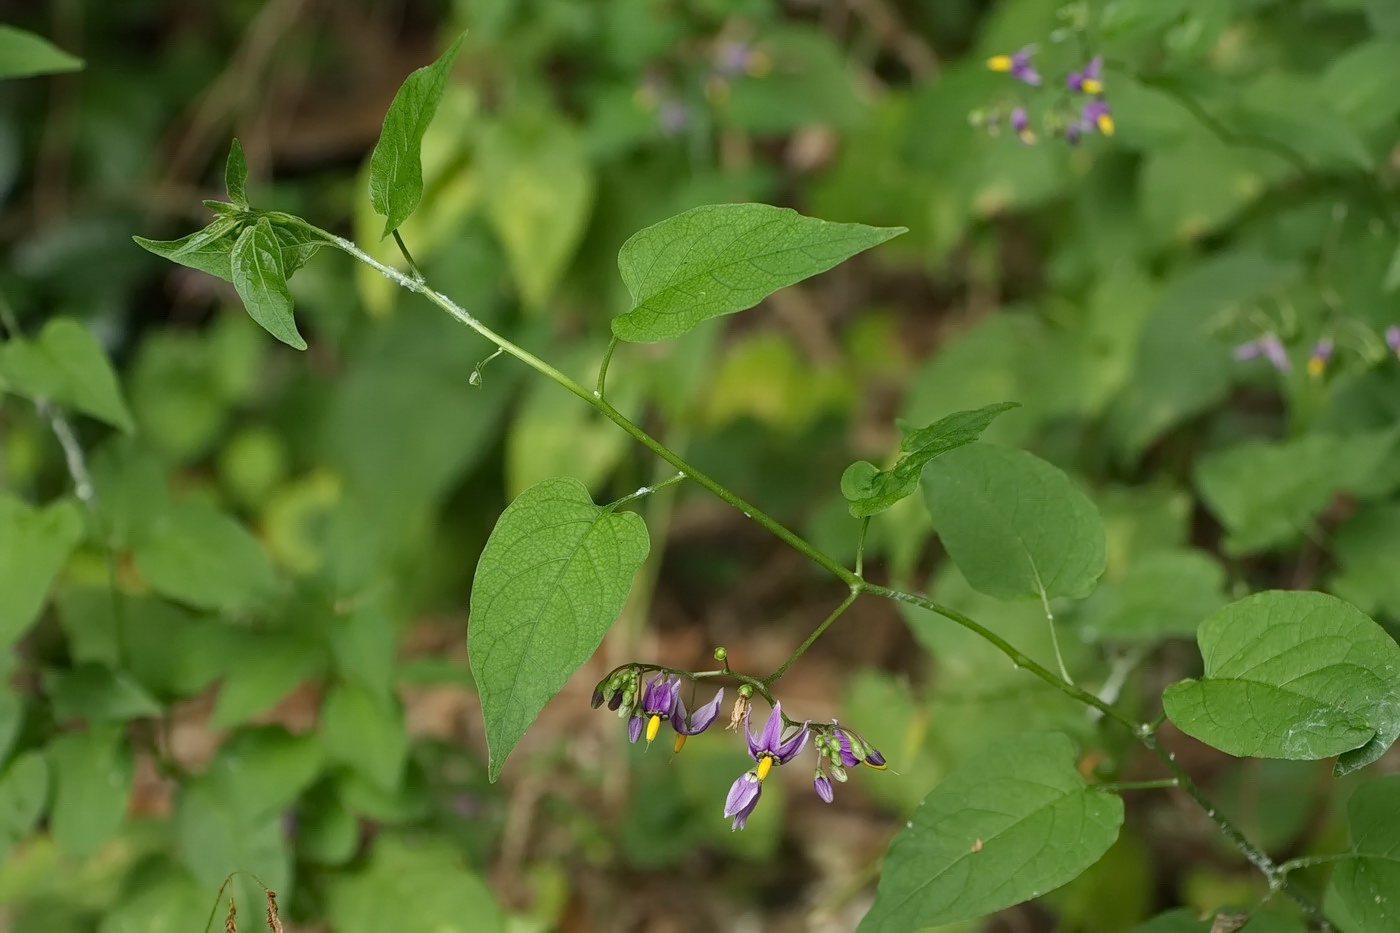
1308,861
816,633
1137,785
603,367
646,491
1018,658
602,405
860,546
408,257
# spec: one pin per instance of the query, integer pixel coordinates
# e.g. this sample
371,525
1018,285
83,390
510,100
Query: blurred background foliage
246,650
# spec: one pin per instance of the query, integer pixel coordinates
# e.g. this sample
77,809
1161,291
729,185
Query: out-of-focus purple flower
732,58
1269,346
1317,359
1087,81
687,724
769,748
822,783
743,797
1018,65
672,116
1021,123
1096,115
1392,338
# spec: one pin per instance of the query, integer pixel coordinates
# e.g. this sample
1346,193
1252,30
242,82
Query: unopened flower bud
597,699
721,653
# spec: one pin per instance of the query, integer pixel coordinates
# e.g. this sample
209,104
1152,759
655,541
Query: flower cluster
1085,112
1269,346
778,742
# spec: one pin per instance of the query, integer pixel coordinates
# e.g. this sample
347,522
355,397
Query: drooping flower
769,748
658,704
1087,81
822,783
687,724
1268,346
1018,65
1096,115
743,797
1021,123
1392,338
1317,359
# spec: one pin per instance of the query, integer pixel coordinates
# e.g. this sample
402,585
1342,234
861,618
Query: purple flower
1088,80
1021,123
1096,115
1392,338
743,797
1268,346
1317,359
658,703
1017,65
769,748
672,117
688,724
822,783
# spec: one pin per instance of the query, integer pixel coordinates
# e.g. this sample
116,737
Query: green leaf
539,193
92,774
24,788
724,258
34,546
366,733
97,694
412,888
236,175
1267,493
261,770
1182,920
198,555
260,277
66,365
1292,675
23,54
395,166
1015,525
11,718
1384,18
263,668
209,250
1368,885
160,899
216,838
1164,594
551,580
870,490
1013,824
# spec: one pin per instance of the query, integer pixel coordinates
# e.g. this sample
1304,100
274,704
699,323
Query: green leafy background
237,626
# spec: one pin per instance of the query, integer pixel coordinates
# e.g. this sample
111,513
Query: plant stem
816,633
1136,785
412,263
603,368
860,546
646,491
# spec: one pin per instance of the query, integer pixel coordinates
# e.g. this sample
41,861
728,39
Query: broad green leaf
328,831
1268,493
34,545
201,556
236,175
1384,17
24,788
1359,82
209,250
263,668
91,773
11,718
871,490
161,900
66,365
1182,920
539,194
215,838
1292,675
551,580
1016,526
23,54
395,166
1292,111
412,888
1163,595
96,693
260,277
261,770
1365,549
366,733
1011,825
1368,885
724,258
